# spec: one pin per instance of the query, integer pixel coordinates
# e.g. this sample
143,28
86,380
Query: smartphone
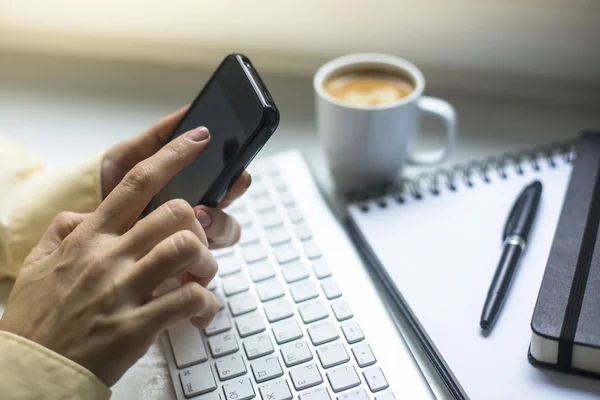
241,116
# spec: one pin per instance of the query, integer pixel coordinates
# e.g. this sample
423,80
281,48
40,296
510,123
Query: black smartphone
241,116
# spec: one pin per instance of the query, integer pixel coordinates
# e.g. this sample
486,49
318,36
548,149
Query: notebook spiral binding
433,182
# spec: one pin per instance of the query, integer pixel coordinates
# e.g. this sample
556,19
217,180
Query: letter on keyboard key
311,249
230,367
321,268
322,332
341,309
276,390
357,394
261,270
303,290
269,290
319,393
266,369
242,303
286,331
219,324
332,354
375,379
385,396
342,378
223,344
197,380
303,231
229,265
278,309
295,353
278,235
254,252
312,311
331,288
249,324
238,389
352,332
294,271
306,376
363,355
285,253
186,343
258,346
234,284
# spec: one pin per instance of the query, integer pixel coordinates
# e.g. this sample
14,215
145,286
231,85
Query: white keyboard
286,328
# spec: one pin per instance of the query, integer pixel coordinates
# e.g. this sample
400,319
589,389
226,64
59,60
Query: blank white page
442,251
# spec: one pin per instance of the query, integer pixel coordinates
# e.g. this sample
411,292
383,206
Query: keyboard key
286,331
306,376
210,396
258,189
363,355
266,369
238,206
331,288
221,300
294,214
258,346
242,217
357,394
278,309
219,324
261,270
249,235
295,353
239,389
279,183
242,303
342,378
311,249
319,393
213,284
186,343
230,367
333,354
303,290
294,271
287,199
285,253
270,219
197,380
385,396
223,344
322,332
278,235
276,390
341,309
234,284
375,379
321,268
269,290
352,332
229,265
249,324
312,311
254,252
303,231
263,203
218,253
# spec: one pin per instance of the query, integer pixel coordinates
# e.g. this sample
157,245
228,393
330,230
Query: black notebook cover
566,320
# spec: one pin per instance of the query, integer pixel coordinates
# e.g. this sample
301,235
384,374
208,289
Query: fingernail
198,134
204,218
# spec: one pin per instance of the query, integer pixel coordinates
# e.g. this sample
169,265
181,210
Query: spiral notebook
435,241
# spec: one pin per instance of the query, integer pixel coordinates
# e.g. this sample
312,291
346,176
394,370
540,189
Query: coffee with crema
369,87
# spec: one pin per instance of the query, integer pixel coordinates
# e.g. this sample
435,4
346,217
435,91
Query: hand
221,230
86,290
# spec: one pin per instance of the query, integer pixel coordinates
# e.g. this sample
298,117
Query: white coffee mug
369,145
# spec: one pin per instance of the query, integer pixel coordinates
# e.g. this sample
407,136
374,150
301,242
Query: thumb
62,225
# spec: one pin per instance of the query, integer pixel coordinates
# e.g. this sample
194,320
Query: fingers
222,230
190,300
173,216
122,207
180,251
62,225
237,189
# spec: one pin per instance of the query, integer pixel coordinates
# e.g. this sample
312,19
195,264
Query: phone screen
213,110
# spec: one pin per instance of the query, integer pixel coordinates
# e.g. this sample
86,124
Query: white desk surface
67,109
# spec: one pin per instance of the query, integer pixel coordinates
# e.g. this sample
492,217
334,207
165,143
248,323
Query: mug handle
443,110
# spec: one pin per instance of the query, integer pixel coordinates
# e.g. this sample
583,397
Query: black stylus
516,231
